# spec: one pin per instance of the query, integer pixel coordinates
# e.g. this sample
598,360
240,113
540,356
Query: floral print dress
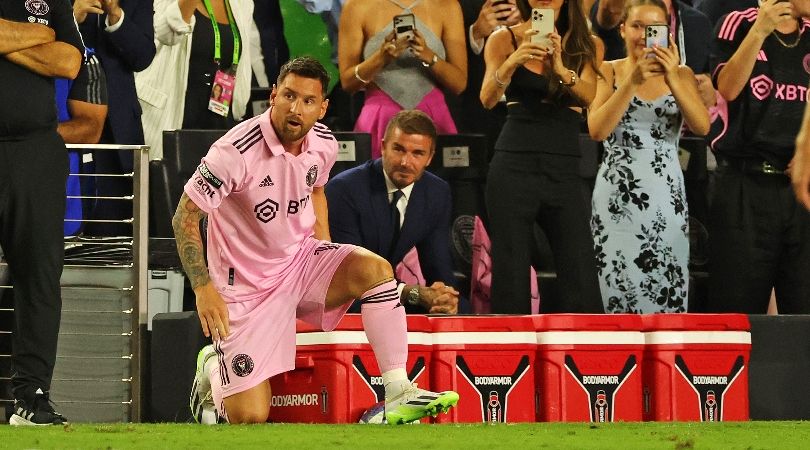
639,214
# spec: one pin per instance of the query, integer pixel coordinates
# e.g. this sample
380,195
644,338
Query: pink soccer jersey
258,200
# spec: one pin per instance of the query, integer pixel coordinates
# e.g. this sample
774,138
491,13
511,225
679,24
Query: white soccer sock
395,381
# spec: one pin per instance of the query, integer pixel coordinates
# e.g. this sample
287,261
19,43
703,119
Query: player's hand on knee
443,299
213,312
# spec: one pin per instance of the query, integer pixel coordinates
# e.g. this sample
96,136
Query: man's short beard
287,132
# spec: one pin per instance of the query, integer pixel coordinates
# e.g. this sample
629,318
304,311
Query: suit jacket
359,214
127,50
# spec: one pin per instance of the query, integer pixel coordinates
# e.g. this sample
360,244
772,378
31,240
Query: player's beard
291,133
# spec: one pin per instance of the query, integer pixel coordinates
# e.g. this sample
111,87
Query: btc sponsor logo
763,88
266,210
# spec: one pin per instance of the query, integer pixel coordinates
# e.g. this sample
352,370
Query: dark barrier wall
779,368
176,339
778,371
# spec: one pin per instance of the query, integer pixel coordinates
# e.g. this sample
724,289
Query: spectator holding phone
534,174
639,215
402,70
481,19
759,233
201,44
690,28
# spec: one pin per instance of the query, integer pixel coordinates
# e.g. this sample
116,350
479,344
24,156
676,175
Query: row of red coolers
560,367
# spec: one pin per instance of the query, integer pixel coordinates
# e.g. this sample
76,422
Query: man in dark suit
391,205
122,34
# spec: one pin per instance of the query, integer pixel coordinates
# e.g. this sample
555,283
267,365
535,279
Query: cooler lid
587,322
481,323
354,322
695,322
483,330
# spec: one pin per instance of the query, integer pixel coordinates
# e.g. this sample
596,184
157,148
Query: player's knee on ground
248,414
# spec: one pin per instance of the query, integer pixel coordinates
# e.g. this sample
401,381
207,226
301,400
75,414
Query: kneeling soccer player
270,260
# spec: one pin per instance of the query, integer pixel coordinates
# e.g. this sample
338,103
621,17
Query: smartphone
657,36
404,24
543,22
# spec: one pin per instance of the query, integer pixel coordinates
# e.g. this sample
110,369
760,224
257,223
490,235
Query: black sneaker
38,412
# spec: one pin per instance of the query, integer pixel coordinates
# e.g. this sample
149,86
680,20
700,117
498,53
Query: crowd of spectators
732,71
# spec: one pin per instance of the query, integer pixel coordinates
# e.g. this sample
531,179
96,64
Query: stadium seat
353,149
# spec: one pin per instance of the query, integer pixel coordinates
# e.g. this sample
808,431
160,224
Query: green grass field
739,435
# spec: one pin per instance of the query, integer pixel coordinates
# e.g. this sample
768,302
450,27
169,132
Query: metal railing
98,269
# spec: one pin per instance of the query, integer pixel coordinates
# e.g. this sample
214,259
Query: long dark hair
579,49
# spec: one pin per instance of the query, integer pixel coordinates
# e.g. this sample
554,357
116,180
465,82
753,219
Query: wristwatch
432,61
413,296
573,79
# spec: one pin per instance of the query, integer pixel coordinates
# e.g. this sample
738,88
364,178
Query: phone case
543,22
404,25
657,35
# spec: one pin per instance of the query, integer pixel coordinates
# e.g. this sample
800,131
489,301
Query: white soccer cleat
414,403
201,400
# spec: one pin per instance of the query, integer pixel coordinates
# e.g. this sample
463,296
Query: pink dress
379,108
403,84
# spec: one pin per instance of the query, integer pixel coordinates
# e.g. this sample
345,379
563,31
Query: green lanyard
234,30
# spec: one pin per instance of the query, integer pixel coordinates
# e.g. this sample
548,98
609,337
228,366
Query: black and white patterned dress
640,218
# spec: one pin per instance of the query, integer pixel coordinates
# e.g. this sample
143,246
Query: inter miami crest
242,365
37,7
312,175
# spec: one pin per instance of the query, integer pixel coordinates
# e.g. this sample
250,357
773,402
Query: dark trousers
524,189
33,173
759,238
117,163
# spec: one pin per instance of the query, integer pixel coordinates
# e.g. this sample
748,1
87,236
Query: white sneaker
201,400
414,403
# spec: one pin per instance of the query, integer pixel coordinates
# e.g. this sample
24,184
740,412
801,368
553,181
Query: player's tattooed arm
186,224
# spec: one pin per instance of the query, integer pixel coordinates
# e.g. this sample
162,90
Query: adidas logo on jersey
267,182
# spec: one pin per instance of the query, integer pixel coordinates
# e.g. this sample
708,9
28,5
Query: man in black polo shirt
38,41
759,235
800,166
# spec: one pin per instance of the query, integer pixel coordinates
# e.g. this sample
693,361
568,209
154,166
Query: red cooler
336,377
589,367
696,367
489,361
